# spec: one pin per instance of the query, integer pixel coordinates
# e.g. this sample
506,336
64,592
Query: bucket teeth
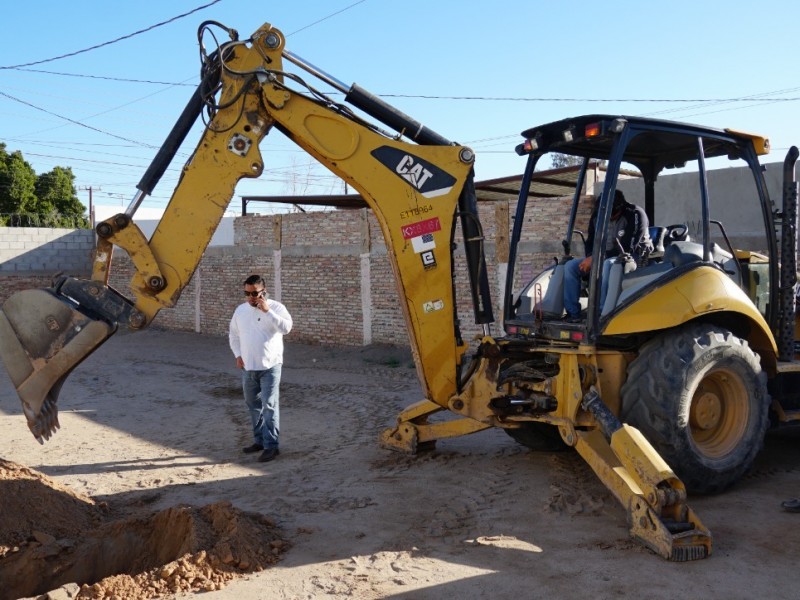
45,424
687,553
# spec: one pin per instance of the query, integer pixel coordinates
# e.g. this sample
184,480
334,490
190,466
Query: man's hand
586,265
239,362
261,304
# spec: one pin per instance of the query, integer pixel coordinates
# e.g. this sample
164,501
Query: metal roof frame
552,183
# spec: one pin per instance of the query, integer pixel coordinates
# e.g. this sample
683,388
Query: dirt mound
32,505
50,536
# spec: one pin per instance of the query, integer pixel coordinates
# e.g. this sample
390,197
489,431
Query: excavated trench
50,536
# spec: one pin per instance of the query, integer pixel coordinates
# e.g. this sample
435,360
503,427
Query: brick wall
10,284
388,325
332,271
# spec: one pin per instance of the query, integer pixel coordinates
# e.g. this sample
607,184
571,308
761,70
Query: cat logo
428,179
413,173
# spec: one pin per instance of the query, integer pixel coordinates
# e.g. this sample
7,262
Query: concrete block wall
27,249
332,272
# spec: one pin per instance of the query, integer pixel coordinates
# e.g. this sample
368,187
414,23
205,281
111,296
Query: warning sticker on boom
419,228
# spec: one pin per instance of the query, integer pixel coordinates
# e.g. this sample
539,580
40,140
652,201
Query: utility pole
91,204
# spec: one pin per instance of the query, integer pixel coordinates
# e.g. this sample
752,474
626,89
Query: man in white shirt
256,339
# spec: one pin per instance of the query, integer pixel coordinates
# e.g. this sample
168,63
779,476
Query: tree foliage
47,200
564,160
17,183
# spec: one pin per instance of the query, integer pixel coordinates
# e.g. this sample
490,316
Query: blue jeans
261,396
572,285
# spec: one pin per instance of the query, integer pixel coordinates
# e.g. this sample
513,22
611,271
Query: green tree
49,200
17,184
56,195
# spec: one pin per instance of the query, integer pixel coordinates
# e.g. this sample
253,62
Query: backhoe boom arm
415,190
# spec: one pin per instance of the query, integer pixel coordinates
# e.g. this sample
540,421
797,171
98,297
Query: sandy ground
157,419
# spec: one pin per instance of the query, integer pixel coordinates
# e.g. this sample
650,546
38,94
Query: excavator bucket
43,337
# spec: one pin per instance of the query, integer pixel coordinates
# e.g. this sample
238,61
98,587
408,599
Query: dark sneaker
253,448
571,319
268,455
792,505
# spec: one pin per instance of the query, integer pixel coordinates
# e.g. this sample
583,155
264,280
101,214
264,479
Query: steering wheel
677,233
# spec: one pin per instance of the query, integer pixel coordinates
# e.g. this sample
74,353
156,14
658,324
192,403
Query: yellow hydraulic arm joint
121,231
654,497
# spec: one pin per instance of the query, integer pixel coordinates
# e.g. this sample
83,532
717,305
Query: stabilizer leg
413,433
641,480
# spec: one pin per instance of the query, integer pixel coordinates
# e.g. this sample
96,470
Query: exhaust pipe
788,275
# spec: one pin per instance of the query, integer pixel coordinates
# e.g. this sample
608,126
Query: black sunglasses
254,294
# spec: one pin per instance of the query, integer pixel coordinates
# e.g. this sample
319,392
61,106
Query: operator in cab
628,226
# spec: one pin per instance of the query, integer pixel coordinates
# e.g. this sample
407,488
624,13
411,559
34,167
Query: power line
19,67
104,162
102,77
589,100
326,18
469,98
74,122
119,39
94,115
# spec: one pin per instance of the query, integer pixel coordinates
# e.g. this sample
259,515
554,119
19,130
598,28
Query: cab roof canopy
658,145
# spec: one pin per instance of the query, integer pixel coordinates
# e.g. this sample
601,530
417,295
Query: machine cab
720,221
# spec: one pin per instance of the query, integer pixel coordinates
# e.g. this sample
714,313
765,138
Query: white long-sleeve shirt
257,336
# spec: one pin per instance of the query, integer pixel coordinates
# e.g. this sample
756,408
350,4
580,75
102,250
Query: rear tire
537,436
699,396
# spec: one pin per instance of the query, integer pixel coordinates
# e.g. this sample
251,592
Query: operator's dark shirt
631,230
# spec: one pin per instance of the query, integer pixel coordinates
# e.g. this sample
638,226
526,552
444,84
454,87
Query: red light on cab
592,130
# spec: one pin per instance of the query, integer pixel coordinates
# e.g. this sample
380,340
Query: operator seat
683,253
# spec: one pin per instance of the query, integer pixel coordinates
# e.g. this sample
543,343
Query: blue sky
526,62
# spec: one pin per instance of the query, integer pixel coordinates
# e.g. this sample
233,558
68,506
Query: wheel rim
719,413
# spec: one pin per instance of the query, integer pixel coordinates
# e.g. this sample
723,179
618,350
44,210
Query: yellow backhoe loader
674,378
